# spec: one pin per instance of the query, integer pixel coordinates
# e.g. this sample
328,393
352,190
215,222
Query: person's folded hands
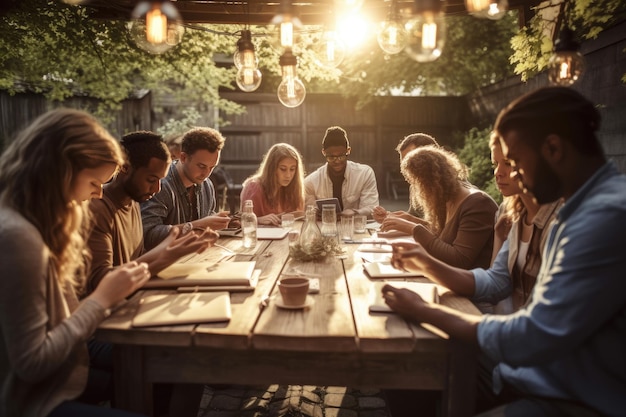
270,219
396,223
379,213
218,221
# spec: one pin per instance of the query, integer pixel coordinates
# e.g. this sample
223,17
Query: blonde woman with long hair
458,222
278,185
46,175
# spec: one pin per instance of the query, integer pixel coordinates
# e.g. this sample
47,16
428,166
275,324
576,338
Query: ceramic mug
293,290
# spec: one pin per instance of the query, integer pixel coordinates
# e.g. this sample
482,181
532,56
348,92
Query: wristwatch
187,227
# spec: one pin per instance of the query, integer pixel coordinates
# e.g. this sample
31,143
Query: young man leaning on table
187,196
353,184
563,353
116,236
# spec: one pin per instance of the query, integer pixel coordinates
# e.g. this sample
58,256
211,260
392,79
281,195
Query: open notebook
271,233
204,274
171,309
382,270
426,290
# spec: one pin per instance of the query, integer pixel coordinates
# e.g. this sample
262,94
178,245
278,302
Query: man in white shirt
353,184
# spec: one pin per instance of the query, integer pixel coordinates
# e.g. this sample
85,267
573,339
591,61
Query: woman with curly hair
46,175
278,185
458,222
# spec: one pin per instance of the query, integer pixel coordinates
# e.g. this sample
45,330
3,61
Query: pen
223,247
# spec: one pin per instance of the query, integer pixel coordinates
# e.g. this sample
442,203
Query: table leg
459,396
131,392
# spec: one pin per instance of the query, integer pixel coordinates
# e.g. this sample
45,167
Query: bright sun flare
353,29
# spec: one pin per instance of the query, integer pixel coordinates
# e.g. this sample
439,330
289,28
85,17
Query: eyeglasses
333,158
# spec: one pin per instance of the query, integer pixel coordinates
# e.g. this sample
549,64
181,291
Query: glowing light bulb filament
330,51
286,34
249,59
291,87
393,35
493,9
156,26
564,71
429,35
248,75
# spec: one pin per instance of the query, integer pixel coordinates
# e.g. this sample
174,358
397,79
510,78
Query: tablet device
325,201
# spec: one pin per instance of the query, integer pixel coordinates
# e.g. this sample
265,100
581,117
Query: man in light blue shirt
563,354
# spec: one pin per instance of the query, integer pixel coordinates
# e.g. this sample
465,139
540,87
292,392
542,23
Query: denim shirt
570,341
170,207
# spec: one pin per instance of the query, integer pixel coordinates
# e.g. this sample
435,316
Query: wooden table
335,342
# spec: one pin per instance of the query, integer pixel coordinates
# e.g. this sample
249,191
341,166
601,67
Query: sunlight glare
353,30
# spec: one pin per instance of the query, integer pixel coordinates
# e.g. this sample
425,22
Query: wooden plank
245,305
258,367
381,332
325,326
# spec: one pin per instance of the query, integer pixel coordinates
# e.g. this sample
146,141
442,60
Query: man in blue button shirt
564,353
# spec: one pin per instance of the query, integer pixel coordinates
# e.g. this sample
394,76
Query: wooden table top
337,321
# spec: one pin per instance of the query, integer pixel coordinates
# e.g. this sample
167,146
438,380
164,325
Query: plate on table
308,303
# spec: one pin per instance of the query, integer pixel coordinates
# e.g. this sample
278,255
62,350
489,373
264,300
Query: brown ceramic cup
293,290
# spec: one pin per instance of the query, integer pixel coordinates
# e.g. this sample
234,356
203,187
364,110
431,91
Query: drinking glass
329,220
347,225
286,221
359,223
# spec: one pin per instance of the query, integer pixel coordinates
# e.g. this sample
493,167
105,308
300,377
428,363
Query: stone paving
292,401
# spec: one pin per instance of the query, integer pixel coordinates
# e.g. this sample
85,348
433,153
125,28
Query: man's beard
548,187
133,192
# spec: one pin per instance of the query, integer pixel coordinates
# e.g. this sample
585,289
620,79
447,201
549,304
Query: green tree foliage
476,54
476,154
533,45
60,50
176,127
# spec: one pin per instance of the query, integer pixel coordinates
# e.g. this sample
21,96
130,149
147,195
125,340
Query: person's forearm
459,325
461,281
156,263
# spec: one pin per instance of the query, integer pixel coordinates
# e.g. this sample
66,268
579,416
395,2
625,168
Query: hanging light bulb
330,50
248,75
245,51
285,24
156,26
392,37
490,9
248,79
291,91
426,31
567,64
